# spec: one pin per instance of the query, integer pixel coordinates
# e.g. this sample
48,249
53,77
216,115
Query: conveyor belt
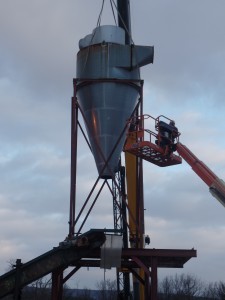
67,253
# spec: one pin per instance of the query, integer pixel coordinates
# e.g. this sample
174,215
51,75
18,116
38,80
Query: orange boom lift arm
163,148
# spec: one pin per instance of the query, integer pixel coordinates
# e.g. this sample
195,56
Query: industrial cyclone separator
108,84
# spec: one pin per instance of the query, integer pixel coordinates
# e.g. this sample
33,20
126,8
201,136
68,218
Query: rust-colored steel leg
57,284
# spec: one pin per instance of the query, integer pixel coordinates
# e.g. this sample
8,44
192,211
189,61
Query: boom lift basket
155,147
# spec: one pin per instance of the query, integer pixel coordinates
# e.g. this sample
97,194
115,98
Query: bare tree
221,290
188,285
182,286
166,287
85,295
107,289
11,264
38,290
215,291
210,291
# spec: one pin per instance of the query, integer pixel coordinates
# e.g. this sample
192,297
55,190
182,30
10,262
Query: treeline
178,287
186,286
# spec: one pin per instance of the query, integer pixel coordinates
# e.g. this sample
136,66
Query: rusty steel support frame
118,220
132,258
120,206
120,223
74,220
58,281
73,170
154,279
119,201
57,276
57,284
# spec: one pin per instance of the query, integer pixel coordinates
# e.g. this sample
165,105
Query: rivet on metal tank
105,68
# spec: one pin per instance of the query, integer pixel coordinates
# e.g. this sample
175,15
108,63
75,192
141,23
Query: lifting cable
111,3
100,14
101,11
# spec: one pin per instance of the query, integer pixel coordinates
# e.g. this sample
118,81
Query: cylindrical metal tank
107,91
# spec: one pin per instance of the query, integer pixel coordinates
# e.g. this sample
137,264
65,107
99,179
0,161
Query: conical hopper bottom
106,107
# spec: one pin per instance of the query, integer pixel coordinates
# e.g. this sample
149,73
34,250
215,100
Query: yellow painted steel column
136,239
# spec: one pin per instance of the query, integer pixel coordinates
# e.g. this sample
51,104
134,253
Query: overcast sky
39,42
